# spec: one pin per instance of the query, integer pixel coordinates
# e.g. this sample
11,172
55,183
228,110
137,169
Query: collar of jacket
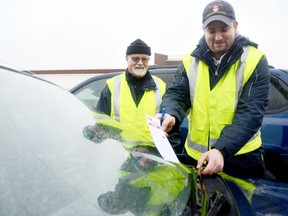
203,53
146,82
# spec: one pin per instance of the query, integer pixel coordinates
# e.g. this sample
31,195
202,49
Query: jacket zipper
216,72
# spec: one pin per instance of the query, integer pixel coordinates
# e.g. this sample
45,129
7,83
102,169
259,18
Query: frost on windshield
147,184
99,132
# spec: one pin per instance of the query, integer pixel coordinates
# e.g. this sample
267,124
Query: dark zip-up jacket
251,105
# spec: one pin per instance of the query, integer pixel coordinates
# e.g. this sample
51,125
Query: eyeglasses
136,59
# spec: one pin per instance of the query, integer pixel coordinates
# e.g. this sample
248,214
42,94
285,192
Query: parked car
275,124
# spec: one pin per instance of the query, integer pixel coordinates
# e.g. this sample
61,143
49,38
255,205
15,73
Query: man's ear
236,24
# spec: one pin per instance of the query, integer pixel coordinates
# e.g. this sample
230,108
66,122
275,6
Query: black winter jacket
251,105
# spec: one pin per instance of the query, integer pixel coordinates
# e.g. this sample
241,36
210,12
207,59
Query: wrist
222,151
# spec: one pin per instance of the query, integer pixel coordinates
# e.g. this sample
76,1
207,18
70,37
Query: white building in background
69,78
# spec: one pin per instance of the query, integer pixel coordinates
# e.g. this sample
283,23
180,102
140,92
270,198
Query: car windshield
49,165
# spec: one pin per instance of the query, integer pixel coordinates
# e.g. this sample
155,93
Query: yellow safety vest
124,109
212,110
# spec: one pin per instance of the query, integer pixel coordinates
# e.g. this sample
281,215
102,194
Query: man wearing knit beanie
138,46
137,56
129,96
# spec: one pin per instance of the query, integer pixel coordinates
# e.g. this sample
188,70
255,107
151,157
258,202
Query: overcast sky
94,34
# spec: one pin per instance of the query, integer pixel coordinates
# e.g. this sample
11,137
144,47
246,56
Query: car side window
166,77
278,95
90,94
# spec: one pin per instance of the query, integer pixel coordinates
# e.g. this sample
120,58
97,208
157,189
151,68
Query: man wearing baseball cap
218,11
224,85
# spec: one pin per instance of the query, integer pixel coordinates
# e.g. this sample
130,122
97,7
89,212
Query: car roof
152,70
163,69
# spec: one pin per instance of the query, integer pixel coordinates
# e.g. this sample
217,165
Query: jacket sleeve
104,102
176,100
249,112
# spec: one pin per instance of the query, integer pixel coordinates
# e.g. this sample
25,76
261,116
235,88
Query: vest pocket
224,118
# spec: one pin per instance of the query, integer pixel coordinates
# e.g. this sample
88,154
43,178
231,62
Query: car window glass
165,77
90,93
278,95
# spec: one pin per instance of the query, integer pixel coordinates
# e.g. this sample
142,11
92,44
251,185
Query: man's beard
139,73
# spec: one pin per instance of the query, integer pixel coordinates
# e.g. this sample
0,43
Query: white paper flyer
161,142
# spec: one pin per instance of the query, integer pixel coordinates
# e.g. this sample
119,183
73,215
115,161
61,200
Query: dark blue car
275,125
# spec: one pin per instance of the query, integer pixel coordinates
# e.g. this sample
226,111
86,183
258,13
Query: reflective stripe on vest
116,98
208,126
124,109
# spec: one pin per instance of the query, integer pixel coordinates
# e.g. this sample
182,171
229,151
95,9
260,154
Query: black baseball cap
218,10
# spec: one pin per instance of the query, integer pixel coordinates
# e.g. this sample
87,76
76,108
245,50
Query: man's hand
215,162
168,122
